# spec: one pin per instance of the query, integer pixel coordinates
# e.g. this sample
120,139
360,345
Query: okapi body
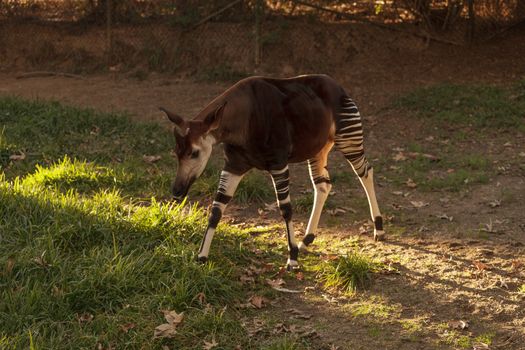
267,123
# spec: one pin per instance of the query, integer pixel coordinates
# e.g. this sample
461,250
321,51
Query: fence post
471,22
109,36
258,15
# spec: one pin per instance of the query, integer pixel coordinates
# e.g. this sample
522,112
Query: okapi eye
194,154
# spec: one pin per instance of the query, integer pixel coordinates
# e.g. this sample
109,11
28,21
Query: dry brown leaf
299,276
201,297
173,317
445,217
270,207
495,203
151,159
400,156
9,265
210,345
258,301
126,327
165,330
247,279
17,157
85,318
276,282
516,264
410,183
480,266
458,324
419,204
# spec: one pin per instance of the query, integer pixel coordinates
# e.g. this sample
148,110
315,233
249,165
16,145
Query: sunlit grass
347,273
84,230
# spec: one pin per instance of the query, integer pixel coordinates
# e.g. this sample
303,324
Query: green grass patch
87,245
464,105
348,273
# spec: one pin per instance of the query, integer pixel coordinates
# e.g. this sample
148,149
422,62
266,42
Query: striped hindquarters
349,136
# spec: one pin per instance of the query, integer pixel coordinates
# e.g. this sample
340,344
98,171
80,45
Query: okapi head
194,142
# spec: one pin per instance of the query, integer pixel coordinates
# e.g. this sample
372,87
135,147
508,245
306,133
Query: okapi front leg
322,186
227,185
281,181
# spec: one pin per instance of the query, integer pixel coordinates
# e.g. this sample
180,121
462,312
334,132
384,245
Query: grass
88,245
451,173
481,106
347,273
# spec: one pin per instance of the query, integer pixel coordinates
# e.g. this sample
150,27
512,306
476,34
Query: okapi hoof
307,240
202,259
379,235
292,265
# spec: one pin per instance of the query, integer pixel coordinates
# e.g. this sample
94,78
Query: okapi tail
349,136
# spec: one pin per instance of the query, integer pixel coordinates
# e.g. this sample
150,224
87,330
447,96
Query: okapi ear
181,126
213,119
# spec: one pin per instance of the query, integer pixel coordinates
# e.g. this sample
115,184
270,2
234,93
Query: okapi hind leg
349,140
322,186
368,184
281,182
227,185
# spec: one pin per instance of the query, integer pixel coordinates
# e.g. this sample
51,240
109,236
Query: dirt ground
467,268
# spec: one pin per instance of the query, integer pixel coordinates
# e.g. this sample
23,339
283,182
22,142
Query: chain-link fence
218,38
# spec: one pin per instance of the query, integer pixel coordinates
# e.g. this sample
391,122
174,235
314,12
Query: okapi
267,123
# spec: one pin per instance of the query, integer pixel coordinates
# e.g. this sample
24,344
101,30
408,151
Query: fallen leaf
270,207
276,282
126,327
40,260
173,317
208,345
458,324
201,297
95,130
299,276
495,203
480,266
419,204
410,183
400,156
9,265
17,157
247,279
516,264
151,159
85,318
165,330
168,330
480,346
257,301
299,314
445,217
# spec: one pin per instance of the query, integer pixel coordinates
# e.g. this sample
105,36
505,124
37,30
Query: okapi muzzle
180,189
